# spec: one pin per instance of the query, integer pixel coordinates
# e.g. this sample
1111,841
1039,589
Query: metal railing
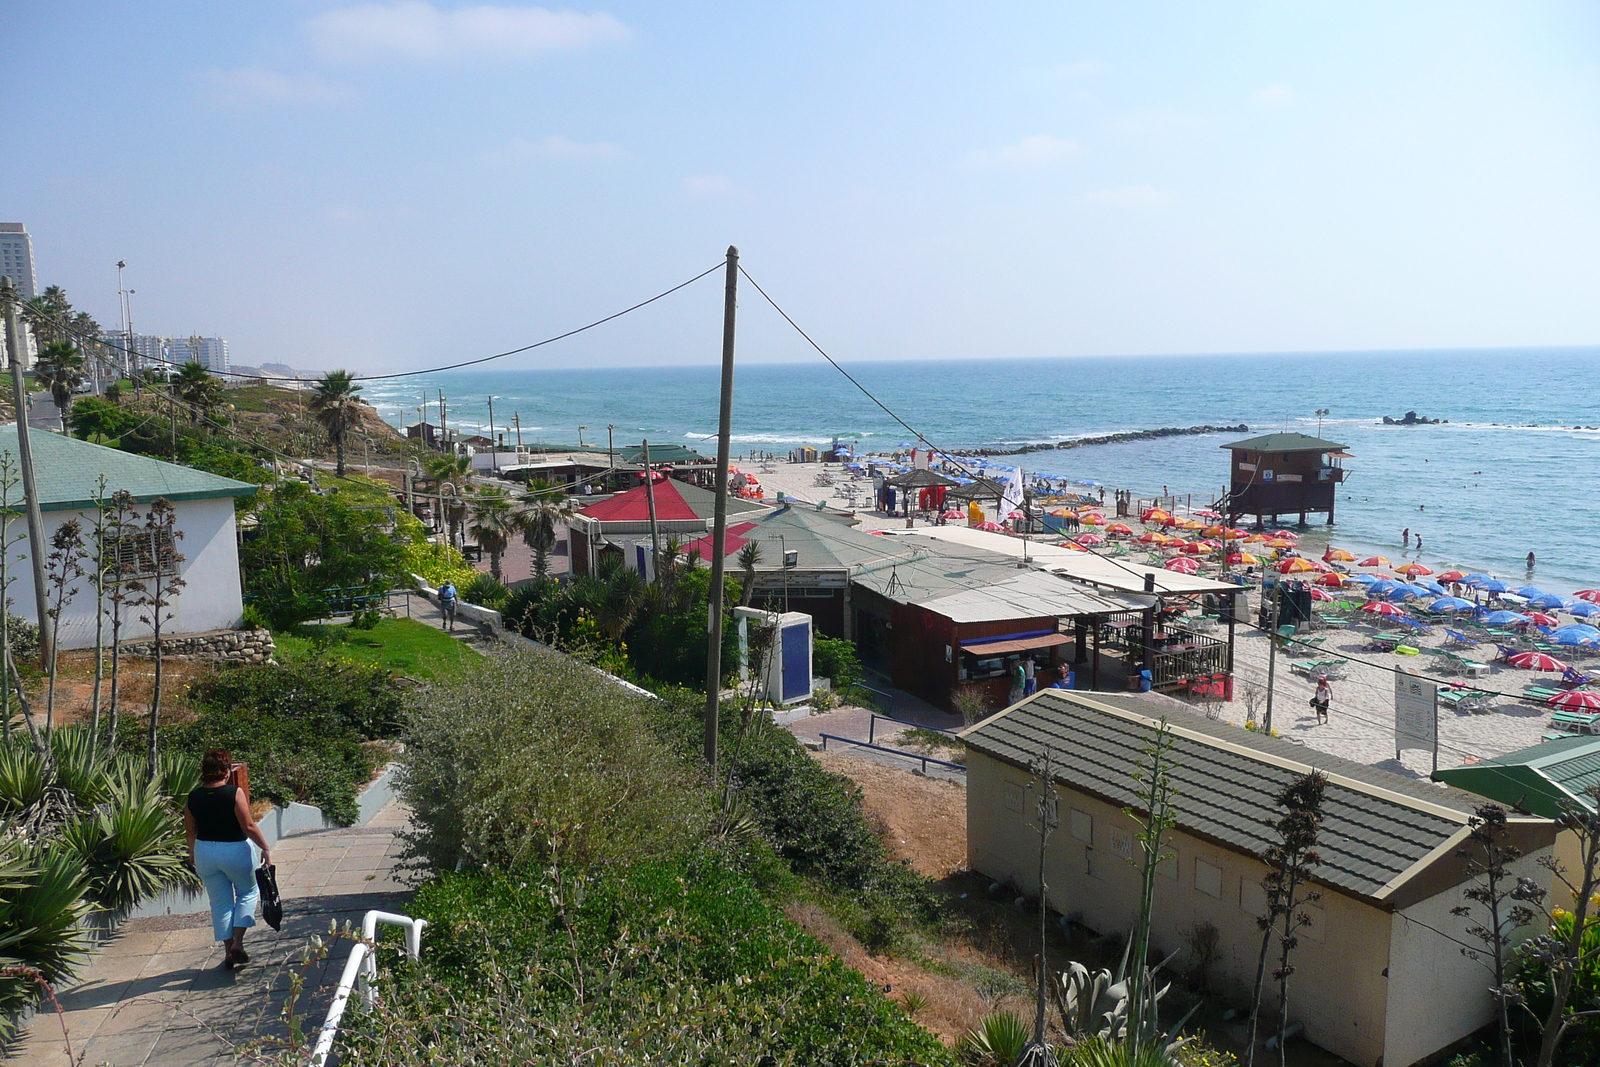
359,972
925,760
886,697
872,726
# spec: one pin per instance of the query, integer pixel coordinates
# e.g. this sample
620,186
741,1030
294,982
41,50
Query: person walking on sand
447,604
219,828
1323,697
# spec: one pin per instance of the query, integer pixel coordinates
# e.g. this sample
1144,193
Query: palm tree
197,388
453,470
49,315
59,368
493,522
749,560
335,406
537,523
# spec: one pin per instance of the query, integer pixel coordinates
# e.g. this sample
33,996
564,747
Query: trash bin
1144,681
1071,679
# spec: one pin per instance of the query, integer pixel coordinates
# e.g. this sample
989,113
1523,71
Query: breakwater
1106,439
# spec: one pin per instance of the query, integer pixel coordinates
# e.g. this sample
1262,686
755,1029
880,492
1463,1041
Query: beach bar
1283,474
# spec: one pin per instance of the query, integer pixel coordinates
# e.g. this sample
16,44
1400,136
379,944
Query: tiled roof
1377,829
68,470
674,500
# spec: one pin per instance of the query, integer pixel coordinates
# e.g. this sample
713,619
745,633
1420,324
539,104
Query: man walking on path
447,604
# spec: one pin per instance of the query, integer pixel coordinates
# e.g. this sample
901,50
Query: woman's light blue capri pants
228,869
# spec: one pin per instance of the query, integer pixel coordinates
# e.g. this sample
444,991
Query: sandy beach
1361,722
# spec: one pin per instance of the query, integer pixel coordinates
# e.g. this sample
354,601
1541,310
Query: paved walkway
157,995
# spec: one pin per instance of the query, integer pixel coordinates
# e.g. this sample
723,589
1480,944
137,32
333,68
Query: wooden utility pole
1272,650
30,488
516,420
719,524
611,454
650,499
494,449
444,433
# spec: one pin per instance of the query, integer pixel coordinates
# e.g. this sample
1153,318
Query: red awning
995,648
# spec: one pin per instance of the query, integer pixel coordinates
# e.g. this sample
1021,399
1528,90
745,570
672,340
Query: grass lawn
404,646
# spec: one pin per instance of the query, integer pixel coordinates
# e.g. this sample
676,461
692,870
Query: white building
68,471
210,352
16,258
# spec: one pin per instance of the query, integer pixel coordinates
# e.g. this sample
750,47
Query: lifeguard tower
1283,474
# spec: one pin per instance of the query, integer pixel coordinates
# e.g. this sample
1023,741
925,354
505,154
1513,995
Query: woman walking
1323,698
219,826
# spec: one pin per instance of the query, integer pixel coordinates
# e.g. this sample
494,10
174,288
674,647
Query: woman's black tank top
214,817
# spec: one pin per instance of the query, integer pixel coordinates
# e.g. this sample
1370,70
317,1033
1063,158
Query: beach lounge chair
1459,640
1576,678
1576,721
1507,651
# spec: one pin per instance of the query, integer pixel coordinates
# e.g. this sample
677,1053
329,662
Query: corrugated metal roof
1541,779
1022,595
68,470
1377,827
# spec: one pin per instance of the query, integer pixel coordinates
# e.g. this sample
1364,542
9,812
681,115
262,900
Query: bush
536,756
661,963
484,590
836,659
433,561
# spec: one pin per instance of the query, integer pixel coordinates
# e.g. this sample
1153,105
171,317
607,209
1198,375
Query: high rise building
210,352
16,258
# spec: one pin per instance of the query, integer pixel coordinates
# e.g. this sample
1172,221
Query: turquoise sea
1515,469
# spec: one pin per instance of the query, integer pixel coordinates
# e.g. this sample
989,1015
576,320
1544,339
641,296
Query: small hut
1283,474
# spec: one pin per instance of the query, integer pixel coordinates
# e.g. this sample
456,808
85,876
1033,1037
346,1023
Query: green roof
661,453
68,471
1541,780
1379,829
1286,442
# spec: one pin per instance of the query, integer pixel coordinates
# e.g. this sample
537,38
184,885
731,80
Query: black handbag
271,903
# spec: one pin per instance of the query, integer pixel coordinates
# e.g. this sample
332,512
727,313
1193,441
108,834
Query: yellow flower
1558,914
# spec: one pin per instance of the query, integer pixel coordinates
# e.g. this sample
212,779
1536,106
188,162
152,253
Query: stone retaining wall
231,646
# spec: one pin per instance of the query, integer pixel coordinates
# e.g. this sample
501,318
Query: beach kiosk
1283,474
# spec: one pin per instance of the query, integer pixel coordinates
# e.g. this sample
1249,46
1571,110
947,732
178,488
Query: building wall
211,599
1436,995
16,258
1338,991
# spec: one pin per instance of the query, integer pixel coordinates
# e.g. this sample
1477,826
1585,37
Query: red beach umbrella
1536,661
1320,594
1183,565
1543,618
1075,548
1411,570
1090,539
1290,534
1119,528
1244,558
1154,515
1451,576
1150,537
952,514
1373,561
1198,548
1331,580
1295,566
1015,515
992,527
1591,595
1575,700
1382,607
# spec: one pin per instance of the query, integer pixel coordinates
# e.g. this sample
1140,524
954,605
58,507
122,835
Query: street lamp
580,435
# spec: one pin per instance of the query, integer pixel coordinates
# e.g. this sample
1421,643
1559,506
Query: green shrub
662,963
484,590
536,755
836,659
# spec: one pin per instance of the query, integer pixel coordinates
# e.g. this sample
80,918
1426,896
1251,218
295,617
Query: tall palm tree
537,523
335,406
49,315
454,470
197,388
494,521
59,368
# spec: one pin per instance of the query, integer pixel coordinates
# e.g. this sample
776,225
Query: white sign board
1416,719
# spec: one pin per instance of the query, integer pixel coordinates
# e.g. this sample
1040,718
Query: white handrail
361,969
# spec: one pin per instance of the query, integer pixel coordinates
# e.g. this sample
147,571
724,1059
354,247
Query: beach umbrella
1154,515
1285,533
1015,515
1411,570
1373,561
1257,539
1183,564
1583,610
1433,587
1550,602
1530,591
1476,578
1235,534
1215,531
1382,607
1320,594
1539,618
1591,595
1092,519
1119,528
1451,603
1069,544
1207,513
1171,520
953,514
1494,585
1295,566
1193,524
992,527
1064,513
1401,591
1331,580
1505,618
1367,580
1090,539
1198,548
1279,542
1574,633
1339,555
1575,700
1451,576
1318,565
1537,661
1150,537
1246,559
1382,587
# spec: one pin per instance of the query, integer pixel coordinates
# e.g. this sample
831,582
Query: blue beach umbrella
1583,610
1494,585
1368,580
1548,601
1406,592
1452,603
1431,586
1530,591
1574,634
1504,618
1382,587
1475,578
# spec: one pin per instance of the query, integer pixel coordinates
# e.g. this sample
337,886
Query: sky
407,183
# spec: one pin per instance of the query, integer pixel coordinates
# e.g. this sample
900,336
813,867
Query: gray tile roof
68,470
1285,442
1377,829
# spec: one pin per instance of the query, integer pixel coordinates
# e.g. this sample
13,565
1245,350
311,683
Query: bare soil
923,820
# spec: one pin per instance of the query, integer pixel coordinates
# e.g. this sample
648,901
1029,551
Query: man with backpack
447,604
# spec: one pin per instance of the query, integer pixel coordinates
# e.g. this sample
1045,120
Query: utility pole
30,488
1272,649
494,450
719,525
444,434
122,306
516,420
650,499
611,454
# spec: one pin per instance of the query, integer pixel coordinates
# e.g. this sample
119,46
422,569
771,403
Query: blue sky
391,185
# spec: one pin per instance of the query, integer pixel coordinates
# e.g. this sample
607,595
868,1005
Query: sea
1513,468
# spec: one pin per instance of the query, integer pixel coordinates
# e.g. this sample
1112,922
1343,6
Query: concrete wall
210,601
1339,991
1436,994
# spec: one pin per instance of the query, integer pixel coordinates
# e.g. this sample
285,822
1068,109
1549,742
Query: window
1083,826
1122,842
1014,795
137,553
1208,879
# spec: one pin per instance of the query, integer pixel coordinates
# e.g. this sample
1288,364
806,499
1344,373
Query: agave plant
41,928
1096,1005
997,1041
1098,1052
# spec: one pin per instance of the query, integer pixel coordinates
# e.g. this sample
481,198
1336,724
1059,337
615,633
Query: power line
66,327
